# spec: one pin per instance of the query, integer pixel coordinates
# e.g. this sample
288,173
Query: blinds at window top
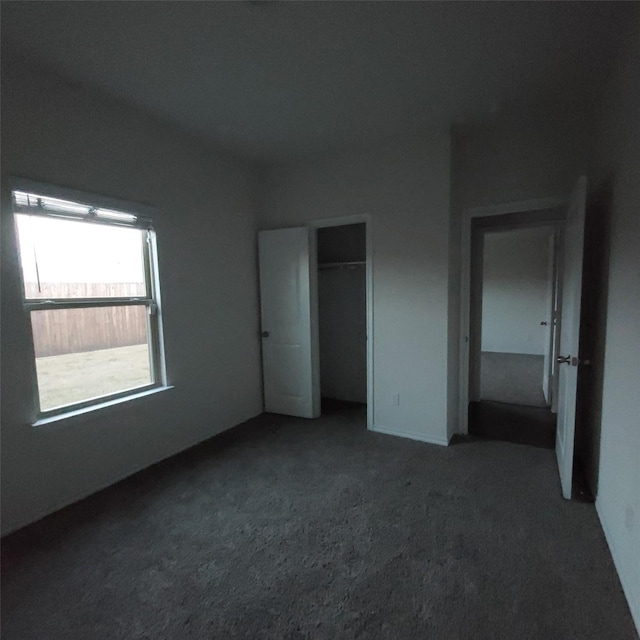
34,204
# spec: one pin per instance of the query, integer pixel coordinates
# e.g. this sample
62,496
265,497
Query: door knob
574,362
544,323
265,334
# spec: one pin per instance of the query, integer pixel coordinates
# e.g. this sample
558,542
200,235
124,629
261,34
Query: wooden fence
60,331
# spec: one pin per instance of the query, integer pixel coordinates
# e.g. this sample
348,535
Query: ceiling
273,80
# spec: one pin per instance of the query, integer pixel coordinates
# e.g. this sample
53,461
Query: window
90,290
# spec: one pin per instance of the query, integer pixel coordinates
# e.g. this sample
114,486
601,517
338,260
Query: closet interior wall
342,312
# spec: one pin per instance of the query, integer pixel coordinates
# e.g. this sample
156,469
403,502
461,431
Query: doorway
290,315
342,319
517,314
514,321
569,218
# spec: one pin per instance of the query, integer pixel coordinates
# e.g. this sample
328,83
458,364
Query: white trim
158,349
47,304
151,299
111,403
539,204
523,206
622,569
61,504
441,442
314,324
368,222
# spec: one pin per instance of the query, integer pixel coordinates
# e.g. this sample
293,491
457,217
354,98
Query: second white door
569,359
285,300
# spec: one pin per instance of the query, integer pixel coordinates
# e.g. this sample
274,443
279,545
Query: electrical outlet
396,399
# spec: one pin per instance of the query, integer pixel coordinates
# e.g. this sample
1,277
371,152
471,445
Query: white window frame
109,212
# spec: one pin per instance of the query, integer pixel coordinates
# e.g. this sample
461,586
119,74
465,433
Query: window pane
87,353
72,259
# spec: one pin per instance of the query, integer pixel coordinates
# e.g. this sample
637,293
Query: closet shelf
341,265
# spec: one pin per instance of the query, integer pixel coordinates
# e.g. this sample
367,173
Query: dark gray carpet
535,426
515,378
289,528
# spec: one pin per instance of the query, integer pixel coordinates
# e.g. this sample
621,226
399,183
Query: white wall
522,156
618,500
342,300
405,189
59,133
514,290
517,156
517,159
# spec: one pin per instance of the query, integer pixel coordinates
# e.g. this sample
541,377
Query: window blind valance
34,204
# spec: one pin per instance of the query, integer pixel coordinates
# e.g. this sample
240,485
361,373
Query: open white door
570,333
285,299
548,321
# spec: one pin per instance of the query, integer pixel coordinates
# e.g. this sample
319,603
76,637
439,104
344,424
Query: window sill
100,407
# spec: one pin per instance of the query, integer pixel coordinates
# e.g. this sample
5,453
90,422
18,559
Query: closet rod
341,265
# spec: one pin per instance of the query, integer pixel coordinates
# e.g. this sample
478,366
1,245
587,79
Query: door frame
550,304
517,214
342,221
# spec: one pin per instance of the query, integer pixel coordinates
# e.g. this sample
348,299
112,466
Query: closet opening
343,317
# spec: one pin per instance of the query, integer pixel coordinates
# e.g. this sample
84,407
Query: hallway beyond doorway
515,378
535,426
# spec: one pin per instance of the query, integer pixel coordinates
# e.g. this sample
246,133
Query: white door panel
548,327
284,264
570,333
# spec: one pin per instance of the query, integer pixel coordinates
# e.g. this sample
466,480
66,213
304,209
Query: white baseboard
443,442
624,571
81,495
